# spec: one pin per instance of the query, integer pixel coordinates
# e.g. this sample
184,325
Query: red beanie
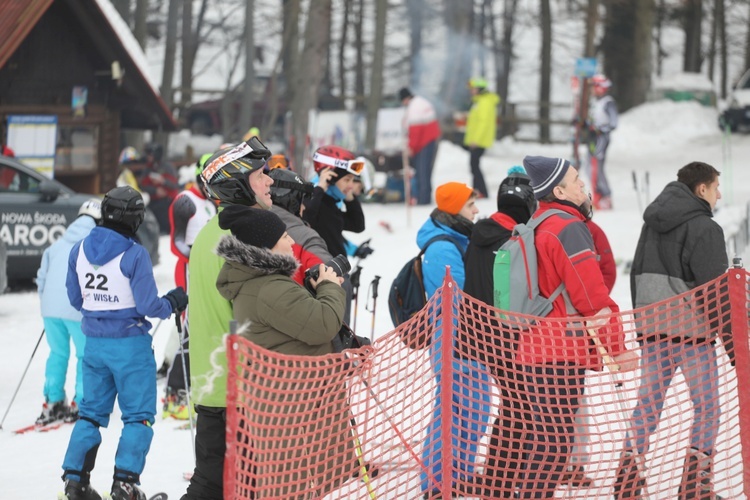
452,196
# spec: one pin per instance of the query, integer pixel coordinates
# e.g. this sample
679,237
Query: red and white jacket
566,254
420,123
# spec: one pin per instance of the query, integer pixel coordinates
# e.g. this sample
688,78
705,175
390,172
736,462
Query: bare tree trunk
660,15
627,50
139,30
342,49
504,69
546,70
485,17
692,17
291,10
376,74
722,34
592,19
246,108
310,74
359,69
747,44
415,9
458,17
712,43
167,76
123,8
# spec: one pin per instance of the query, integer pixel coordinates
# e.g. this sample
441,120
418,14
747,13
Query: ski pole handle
374,285
178,322
609,361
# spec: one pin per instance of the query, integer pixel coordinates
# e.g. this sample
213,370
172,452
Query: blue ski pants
59,332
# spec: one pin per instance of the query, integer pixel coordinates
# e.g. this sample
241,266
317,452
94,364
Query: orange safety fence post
446,381
738,297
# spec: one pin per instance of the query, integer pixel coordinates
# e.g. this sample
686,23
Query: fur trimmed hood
260,260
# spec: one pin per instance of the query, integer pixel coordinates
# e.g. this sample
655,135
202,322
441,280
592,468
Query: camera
339,264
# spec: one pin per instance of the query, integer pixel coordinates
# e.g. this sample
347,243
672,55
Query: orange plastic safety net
467,401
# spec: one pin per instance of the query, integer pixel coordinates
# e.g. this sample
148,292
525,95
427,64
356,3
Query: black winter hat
545,173
252,226
404,93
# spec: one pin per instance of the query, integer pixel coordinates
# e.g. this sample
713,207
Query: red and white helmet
335,157
601,82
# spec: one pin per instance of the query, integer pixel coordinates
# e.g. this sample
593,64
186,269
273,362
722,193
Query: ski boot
123,490
629,482
79,491
52,412
696,481
176,405
72,414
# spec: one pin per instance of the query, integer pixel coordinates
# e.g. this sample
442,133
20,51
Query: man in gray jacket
680,248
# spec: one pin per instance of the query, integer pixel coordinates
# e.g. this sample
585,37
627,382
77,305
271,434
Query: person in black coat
493,346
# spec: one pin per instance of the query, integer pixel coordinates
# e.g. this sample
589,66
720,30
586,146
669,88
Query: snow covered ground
657,138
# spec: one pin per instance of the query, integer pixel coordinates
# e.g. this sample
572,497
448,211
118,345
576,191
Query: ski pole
374,294
637,191
354,278
22,377
647,188
185,379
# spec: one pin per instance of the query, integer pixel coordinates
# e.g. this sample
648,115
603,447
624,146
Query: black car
34,213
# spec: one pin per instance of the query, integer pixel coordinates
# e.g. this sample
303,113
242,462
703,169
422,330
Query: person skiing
62,323
481,124
111,281
423,132
603,121
188,213
233,176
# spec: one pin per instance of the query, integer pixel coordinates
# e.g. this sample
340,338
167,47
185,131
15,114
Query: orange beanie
452,196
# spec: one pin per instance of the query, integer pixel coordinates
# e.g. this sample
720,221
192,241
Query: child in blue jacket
110,280
62,323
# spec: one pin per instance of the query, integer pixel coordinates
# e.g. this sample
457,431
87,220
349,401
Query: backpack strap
534,222
443,237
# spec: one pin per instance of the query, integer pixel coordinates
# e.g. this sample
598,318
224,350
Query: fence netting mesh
456,403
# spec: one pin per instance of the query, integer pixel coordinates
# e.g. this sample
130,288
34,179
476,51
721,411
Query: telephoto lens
340,265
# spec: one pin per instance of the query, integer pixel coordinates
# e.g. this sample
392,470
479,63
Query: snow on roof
122,30
684,81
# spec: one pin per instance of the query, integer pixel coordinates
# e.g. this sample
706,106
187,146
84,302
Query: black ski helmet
289,189
517,184
226,173
123,208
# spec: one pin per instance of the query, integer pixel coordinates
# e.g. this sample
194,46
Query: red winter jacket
421,123
565,253
604,252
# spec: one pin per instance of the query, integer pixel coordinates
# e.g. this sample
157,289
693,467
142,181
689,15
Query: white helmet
92,208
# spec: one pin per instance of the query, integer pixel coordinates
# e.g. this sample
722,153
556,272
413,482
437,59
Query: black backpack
407,295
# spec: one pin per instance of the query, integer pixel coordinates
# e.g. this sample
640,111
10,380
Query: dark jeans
207,482
421,190
475,154
554,393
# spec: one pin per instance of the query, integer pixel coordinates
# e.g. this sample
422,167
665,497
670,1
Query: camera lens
340,265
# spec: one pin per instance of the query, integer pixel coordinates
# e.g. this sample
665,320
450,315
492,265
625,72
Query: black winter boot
628,483
697,479
122,490
75,490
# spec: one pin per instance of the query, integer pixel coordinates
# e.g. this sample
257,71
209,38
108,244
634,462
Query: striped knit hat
545,173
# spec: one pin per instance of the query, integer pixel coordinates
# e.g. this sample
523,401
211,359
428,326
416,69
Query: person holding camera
333,208
282,316
111,281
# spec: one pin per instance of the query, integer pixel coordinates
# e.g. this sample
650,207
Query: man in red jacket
423,131
554,353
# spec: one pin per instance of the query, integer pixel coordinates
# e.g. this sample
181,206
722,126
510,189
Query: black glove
178,299
363,250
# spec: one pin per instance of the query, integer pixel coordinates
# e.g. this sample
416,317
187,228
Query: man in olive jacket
680,248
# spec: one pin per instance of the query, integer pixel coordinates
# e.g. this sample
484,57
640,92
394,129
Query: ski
386,225
187,476
41,428
158,496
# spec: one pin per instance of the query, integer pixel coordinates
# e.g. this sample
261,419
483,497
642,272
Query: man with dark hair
423,131
680,248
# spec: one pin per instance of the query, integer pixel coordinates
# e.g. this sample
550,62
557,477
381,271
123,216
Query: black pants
554,394
475,154
207,482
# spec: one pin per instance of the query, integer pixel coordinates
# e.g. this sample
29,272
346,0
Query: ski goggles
277,161
351,166
253,151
